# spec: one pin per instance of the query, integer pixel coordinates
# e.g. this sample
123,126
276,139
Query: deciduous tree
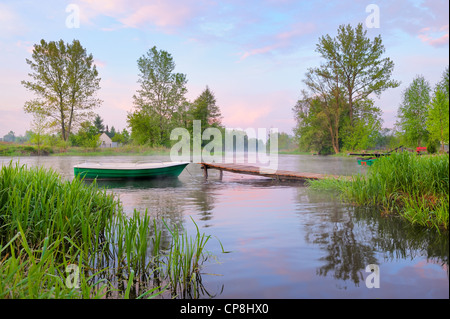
65,80
438,112
413,112
324,84
362,69
160,95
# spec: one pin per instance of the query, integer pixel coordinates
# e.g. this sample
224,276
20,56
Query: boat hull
366,161
137,173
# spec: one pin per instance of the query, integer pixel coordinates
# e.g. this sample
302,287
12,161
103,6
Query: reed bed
416,187
47,226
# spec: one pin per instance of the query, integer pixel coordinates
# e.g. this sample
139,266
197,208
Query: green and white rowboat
129,170
366,161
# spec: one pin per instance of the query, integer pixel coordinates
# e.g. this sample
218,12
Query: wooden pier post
205,171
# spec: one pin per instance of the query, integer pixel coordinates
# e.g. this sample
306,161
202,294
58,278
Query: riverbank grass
48,226
416,187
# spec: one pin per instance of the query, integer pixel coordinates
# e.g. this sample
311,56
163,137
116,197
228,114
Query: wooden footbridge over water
280,175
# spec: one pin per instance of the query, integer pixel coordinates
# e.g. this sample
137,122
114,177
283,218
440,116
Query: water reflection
203,200
399,240
160,183
354,237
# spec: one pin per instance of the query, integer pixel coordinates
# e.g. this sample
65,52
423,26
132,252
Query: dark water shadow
138,183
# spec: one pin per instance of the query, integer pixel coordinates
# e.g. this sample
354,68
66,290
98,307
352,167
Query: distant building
105,141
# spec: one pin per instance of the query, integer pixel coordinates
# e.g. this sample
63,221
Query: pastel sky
252,54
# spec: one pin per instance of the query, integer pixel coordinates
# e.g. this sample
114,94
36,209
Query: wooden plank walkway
261,171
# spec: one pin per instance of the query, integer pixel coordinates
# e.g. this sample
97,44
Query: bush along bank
416,187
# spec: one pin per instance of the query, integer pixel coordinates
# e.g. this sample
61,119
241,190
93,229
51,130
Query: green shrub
415,186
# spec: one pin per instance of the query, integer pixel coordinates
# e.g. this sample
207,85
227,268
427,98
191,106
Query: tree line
160,104
65,82
337,110
423,116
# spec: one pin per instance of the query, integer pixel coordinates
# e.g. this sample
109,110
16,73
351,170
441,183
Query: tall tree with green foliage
341,89
438,112
98,123
39,127
65,81
413,112
366,126
204,108
311,130
160,95
324,84
362,69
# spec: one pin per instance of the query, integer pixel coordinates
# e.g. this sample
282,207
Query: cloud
283,40
99,64
26,45
434,37
427,20
164,14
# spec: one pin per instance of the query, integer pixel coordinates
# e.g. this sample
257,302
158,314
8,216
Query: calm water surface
285,240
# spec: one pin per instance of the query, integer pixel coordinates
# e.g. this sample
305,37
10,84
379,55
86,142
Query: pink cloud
283,39
260,50
434,36
26,45
162,14
166,14
99,63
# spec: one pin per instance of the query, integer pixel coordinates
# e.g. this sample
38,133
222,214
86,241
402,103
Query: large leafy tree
160,96
413,112
65,80
341,90
366,126
362,69
311,130
324,84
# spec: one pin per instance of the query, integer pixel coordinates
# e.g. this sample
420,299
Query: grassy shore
415,187
115,151
51,228
10,149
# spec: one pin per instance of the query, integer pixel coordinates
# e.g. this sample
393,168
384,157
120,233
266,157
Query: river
284,240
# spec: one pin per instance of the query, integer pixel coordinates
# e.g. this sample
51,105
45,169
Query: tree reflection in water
354,237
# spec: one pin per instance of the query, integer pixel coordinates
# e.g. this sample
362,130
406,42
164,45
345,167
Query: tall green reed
47,224
184,261
415,186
